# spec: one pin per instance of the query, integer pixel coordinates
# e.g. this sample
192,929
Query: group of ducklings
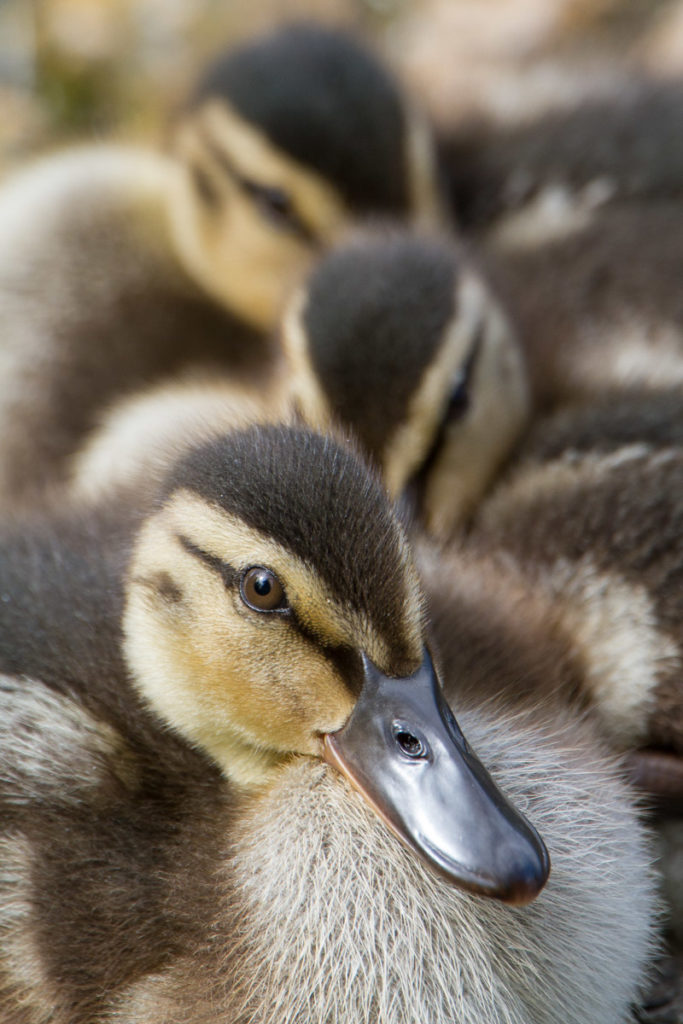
258,548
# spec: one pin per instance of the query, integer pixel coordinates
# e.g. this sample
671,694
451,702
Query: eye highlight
261,590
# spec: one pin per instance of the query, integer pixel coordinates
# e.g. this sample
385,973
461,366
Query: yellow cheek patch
475,446
227,243
304,386
247,688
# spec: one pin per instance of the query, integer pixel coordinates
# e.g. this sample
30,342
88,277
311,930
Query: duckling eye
277,206
459,401
273,201
262,591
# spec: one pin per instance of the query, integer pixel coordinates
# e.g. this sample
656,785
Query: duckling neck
249,768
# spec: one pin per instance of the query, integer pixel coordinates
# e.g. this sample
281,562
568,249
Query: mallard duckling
596,524
621,144
394,338
121,267
578,216
273,541
236,876
592,320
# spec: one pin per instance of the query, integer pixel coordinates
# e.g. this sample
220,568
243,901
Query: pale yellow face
247,685
248,220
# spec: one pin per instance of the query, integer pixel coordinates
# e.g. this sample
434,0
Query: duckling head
398,338
272,610
271,169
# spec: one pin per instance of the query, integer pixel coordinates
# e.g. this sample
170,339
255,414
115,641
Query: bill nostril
411,745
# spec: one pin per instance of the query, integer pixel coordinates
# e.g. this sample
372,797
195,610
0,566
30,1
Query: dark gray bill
403,750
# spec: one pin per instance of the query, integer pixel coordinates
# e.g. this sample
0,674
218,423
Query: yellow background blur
96,68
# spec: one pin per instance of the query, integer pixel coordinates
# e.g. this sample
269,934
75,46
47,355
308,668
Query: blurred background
84,69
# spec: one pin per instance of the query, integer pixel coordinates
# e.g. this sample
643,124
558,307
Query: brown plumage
592,515
577,214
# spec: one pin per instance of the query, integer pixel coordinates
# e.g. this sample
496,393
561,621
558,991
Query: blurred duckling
122,267
394,339
619,145
592,513
208,655
592,320
555,203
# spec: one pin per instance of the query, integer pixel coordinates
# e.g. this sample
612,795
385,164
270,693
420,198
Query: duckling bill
403,750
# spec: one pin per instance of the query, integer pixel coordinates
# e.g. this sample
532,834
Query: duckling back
592,514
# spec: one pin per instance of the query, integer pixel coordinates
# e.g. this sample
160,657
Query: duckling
239,551
596,319
596,526
578,217
209,655
620,145
394,338
122,267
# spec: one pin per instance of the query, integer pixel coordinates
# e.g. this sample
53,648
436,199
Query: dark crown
375,315
316,499
325,100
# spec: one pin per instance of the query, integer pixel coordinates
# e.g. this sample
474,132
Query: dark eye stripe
204,186
457,404
460,391
282,213
230,575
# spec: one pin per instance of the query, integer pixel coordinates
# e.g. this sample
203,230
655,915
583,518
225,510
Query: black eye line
340,655
469,366
256,190
465,375
231,576
204,186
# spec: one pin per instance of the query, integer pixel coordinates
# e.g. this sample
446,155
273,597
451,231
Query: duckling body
622,145
176,903
316,950
592,514
597,305
121,268
94,302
